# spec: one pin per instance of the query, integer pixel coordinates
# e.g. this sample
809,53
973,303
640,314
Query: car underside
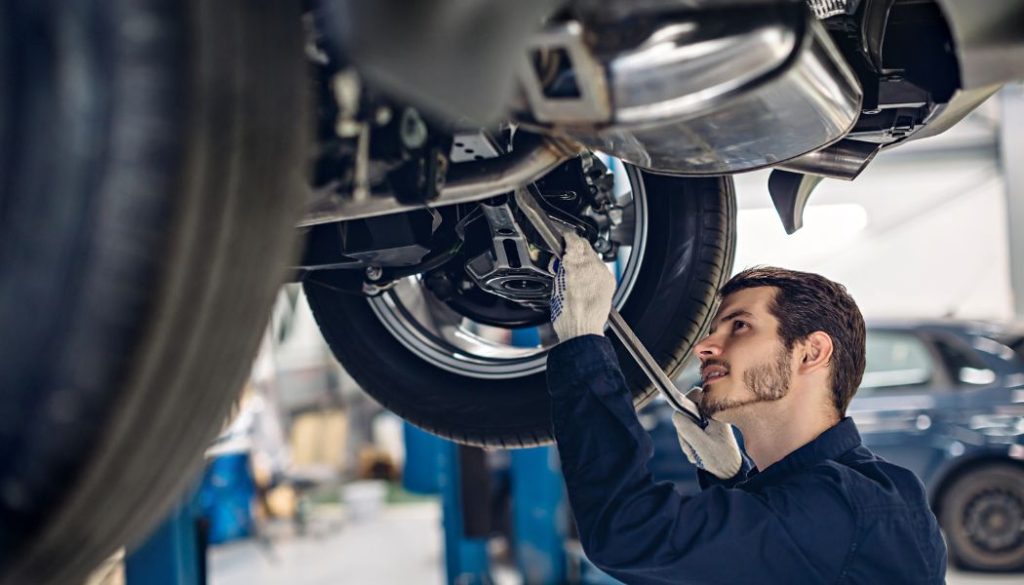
615,108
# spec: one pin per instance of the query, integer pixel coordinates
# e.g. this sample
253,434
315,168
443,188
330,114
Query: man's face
743,359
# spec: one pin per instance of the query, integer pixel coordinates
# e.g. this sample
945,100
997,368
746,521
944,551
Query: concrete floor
402,544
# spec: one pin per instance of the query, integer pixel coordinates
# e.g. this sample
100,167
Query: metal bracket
508,270
592,104
790,192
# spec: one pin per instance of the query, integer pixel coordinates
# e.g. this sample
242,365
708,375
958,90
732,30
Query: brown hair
804,303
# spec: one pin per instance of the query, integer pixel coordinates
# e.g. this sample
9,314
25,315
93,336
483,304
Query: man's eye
737,325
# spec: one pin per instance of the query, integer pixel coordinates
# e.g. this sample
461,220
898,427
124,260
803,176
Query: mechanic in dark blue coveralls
783,357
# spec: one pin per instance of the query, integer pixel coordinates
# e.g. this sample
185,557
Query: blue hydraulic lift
175,554
538,504
539,513
217,510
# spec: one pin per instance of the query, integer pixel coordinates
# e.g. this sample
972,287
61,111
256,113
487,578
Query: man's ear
815,351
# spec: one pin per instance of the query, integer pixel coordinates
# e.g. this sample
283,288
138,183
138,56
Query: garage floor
401,544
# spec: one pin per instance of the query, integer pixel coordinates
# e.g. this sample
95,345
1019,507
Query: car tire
982,514
152,157
687,257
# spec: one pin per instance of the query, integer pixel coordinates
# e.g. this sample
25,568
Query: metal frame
467,182
593,103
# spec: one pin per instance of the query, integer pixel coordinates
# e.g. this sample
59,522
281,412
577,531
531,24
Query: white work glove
583,291
713,448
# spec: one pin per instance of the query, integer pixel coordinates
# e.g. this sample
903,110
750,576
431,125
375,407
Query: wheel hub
524,287
995,521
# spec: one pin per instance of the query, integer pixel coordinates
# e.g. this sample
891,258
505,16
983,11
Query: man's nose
707,348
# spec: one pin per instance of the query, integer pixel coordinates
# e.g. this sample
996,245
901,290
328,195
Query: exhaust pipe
843,160
466,182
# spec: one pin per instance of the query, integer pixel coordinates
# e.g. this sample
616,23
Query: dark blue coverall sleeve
640,531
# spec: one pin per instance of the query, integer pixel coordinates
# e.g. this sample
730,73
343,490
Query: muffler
698,93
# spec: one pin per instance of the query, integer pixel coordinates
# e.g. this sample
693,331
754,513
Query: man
782,359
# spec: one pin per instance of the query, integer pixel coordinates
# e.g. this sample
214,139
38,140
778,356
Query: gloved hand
583,291
712,449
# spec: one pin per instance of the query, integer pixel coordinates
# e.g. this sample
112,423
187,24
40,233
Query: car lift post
435,466
466,561
174,554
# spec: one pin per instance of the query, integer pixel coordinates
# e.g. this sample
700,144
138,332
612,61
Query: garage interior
279,282
936,234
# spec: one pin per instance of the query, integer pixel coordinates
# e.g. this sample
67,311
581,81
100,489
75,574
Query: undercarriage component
455,59
391,240
607,11
368,144
467,182
581,193
904,56
510,268
988,39
564,81
481,259
843,160
962,102
696,93
829,8
790,192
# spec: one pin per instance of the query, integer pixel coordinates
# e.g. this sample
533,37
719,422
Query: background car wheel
491,394
151,165
982,513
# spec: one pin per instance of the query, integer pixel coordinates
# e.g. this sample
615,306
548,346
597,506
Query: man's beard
767,382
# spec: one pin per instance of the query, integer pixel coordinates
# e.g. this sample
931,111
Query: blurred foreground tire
151,171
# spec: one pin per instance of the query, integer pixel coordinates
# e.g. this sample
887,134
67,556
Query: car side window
896,361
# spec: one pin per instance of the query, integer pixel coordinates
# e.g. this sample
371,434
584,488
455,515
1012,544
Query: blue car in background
945,399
